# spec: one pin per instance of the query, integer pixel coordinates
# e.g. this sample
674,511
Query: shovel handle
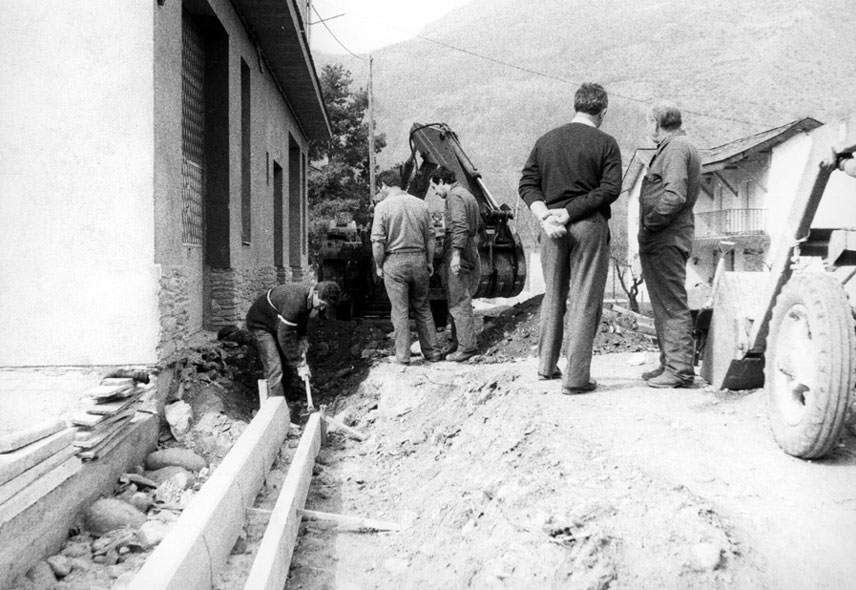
310,406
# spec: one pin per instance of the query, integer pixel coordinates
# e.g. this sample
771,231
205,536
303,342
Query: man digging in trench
277,323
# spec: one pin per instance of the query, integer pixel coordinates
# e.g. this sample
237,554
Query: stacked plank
33,462
108,409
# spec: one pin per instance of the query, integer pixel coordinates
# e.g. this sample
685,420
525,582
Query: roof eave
277,27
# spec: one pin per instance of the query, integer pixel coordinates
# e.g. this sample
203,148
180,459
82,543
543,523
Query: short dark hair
391,177
444,175
590,98
667,116
329,292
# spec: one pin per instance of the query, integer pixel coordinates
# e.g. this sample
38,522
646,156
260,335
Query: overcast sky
367,25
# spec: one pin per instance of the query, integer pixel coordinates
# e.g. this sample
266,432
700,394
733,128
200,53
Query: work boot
557,374
461,355
449,350
434,357
653,373
668,381
590,386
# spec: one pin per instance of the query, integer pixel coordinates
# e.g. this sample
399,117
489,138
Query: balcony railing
729,222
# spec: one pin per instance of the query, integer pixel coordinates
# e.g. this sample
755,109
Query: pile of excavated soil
513,333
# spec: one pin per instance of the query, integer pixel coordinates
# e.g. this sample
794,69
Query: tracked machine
346,257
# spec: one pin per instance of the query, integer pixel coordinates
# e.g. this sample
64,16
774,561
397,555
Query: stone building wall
173,302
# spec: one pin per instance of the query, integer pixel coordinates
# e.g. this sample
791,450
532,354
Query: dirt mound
513,333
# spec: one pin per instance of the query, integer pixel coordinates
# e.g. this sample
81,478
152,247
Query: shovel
310,407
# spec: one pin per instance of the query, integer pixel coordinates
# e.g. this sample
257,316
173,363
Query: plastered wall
79,284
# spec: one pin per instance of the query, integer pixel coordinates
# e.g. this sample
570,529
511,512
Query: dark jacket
669,192
287,307
463,221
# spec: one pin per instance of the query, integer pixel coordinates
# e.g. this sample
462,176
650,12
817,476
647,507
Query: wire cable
335,38
534,72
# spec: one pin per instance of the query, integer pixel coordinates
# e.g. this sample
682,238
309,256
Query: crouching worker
277,322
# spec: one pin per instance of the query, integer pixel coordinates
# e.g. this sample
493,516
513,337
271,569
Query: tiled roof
715,158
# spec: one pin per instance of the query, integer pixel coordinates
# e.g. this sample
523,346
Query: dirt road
499,481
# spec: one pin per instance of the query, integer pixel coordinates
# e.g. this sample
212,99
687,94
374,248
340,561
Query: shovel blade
726,364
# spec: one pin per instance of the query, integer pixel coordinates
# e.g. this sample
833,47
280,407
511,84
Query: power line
323,21
534,72
566,81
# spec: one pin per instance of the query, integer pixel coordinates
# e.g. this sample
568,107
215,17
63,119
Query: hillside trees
339,175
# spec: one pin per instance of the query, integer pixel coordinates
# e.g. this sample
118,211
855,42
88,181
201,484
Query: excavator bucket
725,362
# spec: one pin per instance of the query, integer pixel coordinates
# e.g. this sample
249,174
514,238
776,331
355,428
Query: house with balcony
746,188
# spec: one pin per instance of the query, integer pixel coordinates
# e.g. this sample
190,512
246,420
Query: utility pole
371,137
306,17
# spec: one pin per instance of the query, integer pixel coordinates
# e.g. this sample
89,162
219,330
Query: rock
240,545
111,557
114,571
80,564
164,473
60,564
77,549
141,501
108,514
706,556
169,492
175,456
178,415
41,575
151,533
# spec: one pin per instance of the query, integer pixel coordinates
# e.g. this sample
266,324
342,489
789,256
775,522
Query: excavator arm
502,259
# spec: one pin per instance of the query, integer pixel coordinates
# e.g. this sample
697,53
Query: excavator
345,256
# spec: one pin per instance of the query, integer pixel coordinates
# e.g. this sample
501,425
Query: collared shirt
402,223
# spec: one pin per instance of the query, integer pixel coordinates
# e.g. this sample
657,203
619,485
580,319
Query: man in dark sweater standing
569,181
666,228
277,322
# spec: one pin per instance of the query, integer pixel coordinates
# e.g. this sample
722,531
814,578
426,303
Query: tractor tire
810,362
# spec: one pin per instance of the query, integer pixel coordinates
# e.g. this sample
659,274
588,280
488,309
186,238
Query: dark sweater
289,301
574,166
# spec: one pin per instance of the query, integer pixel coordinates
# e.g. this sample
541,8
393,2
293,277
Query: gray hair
667,116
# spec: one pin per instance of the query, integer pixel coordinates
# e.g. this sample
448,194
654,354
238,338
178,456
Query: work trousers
460,289
664,268
577,263
405,276
269,347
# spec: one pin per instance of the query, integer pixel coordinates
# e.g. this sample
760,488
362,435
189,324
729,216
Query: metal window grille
192,133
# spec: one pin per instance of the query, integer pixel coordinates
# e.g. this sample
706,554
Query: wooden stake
354,521
344,428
